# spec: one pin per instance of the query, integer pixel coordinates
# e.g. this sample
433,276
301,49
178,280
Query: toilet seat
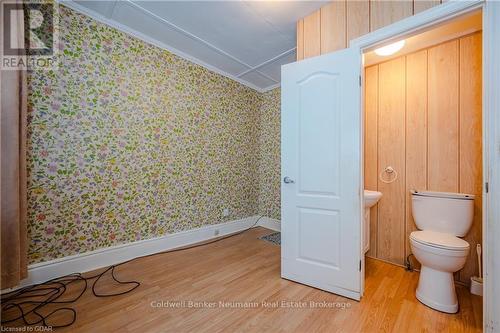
439,240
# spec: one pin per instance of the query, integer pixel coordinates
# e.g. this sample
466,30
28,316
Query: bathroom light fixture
390,49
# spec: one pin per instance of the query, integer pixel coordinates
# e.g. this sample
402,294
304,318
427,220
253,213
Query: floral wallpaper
128,141
269,168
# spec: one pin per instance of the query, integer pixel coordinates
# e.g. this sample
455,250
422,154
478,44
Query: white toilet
441,218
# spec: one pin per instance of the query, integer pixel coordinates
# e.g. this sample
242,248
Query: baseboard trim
269,223
92,260
386,261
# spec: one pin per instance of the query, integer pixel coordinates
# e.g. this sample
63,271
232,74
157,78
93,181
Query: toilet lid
438,239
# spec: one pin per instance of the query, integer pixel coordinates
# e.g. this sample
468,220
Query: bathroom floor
246,269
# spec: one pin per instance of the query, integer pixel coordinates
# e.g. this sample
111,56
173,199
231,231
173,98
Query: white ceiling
247,41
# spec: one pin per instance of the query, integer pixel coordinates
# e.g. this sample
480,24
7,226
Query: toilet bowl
441,218
440,255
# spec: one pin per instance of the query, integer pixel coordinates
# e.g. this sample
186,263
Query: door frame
490,125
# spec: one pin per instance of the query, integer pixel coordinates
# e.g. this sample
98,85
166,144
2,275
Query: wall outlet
225,212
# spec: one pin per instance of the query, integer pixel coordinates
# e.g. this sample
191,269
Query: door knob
288,180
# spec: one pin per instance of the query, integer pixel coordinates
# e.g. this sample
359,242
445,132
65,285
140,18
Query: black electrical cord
31,301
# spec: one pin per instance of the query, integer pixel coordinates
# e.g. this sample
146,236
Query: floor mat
274,238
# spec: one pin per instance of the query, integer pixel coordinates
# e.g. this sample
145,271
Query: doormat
274,238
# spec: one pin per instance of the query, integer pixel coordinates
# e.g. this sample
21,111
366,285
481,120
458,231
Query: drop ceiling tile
258,80
284,14
135,18
273,69
228,25
225,36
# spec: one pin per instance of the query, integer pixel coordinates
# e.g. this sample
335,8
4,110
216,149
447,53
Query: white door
321,171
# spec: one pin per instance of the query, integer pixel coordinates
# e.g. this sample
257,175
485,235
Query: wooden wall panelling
391,152
370,156
312,35
416,135
445,133
421,5
333,26
443,147
471,140
358,19
383,12
300,39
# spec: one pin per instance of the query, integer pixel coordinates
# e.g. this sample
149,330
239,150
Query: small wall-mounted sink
371,198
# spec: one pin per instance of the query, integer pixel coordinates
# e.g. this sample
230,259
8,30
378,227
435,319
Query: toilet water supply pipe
478,250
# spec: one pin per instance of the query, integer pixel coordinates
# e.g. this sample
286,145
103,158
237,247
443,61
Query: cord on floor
30,304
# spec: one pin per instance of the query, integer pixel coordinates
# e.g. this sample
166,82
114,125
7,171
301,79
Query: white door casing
320,154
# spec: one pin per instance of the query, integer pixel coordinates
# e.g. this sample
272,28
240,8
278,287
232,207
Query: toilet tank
450,213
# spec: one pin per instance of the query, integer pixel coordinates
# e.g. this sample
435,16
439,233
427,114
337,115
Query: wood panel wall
332,26
391,152
423,117
416,134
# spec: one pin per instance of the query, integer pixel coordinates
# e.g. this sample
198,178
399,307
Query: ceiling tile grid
247,41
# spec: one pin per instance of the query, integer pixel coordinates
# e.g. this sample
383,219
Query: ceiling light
390,49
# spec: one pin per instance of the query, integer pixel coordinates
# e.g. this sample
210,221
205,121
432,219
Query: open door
321,171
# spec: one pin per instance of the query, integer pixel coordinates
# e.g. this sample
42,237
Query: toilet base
436,289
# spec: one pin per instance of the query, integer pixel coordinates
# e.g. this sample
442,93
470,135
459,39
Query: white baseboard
269,223
92,260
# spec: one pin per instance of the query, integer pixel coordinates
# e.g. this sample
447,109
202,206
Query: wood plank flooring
245,269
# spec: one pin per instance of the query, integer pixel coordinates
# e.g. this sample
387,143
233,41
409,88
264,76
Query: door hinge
486,187
360,265
360,80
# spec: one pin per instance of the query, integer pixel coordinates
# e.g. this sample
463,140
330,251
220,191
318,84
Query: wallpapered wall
269,168
129,142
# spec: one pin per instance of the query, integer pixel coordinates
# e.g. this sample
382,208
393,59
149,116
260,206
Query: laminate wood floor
245,271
